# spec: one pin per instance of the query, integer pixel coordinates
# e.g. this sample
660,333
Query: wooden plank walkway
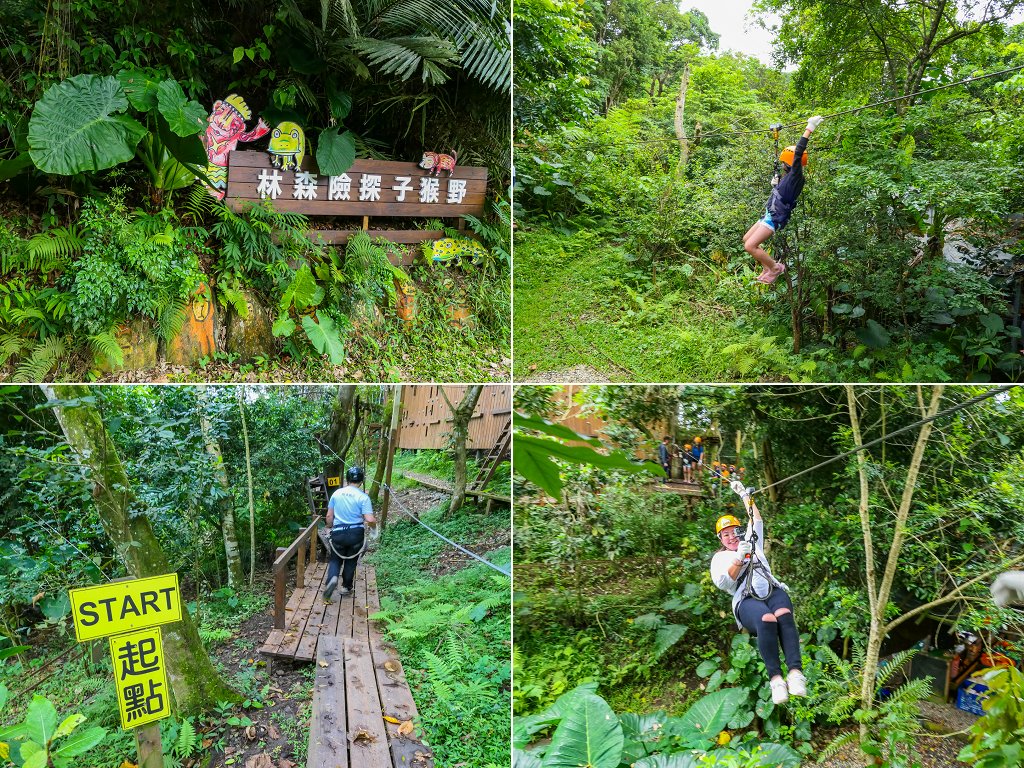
360,685
445,487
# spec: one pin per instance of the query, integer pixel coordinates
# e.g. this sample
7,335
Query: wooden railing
304,544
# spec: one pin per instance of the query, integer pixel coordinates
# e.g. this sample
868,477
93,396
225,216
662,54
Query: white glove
814,122
739,488
744,549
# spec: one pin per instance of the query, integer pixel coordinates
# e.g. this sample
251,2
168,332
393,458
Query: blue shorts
767,220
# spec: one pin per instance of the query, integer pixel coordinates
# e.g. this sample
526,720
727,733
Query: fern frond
187,739
836,744
893,665
172,318
44,358
49,250
232,297
11,345
105,345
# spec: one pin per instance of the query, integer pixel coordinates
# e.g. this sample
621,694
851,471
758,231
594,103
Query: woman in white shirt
760,602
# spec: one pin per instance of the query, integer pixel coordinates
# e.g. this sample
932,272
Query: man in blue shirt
348,513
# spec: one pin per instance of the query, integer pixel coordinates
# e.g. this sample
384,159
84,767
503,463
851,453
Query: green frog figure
287,146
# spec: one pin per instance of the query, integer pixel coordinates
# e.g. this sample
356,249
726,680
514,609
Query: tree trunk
195,682
340,432
227,508
684,152
248,483
461,416
382,449
882,590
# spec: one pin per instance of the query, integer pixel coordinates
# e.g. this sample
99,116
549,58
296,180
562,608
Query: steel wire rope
852,110
414,517
920,422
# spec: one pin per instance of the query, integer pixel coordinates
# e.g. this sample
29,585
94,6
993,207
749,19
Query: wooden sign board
124,606
368,188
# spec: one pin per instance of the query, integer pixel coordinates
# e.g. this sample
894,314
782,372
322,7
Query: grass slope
579,300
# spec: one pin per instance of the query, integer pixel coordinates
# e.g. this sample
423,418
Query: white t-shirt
724,559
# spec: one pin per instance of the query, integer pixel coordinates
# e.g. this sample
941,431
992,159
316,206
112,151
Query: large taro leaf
75,126
325,338
774,755
188,150
677,760
524,727
589,734
705,720
140,88
185,117
335,152
641,733
524,759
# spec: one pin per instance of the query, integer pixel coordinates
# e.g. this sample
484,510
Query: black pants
348,542
770,633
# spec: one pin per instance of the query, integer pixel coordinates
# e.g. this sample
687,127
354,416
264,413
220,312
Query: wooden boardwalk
363,710
446,487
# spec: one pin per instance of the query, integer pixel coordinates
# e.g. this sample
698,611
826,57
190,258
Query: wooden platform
678,486
360,685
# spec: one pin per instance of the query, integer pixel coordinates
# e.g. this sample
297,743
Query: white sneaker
780,693
797,683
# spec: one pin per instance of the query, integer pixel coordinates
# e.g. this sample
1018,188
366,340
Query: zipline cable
414,517
952,409
853,110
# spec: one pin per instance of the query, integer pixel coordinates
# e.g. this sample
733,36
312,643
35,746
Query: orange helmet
789,152
687,446
697,440
726,521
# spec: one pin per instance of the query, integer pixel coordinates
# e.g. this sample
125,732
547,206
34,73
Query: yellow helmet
697,440
687,446
726,521
239,104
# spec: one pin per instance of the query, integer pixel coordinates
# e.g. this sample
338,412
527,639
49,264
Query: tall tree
196,683
248,485
880,586
461,416
345,416
382,447
227,505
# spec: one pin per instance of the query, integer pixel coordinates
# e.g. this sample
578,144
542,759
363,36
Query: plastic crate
970,695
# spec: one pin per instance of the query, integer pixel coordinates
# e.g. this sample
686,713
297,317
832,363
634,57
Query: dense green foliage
101,105
452,629
612,580
902,262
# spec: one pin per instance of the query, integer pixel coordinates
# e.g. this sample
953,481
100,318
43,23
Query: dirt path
578,374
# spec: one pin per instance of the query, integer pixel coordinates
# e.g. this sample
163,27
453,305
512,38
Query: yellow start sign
140,677
123,606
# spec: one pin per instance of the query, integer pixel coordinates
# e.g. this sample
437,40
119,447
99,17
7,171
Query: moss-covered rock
250,336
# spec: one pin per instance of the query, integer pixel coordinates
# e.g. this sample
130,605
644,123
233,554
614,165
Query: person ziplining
760,602
787,186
